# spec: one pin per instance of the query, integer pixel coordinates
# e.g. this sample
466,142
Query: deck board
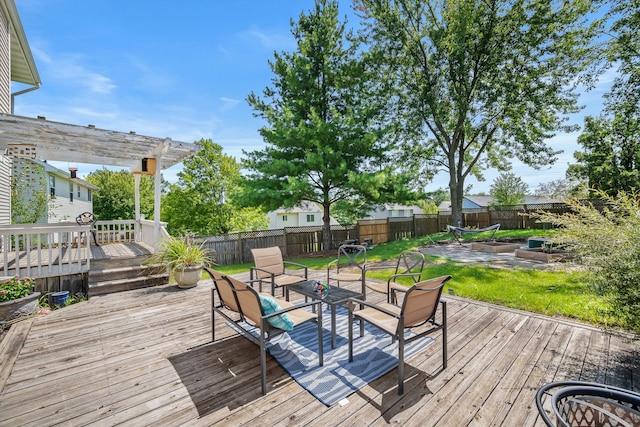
145,357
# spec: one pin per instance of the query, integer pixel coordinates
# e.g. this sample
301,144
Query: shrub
606,240
16,288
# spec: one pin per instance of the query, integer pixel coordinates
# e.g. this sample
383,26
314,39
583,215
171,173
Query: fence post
284,241
239,245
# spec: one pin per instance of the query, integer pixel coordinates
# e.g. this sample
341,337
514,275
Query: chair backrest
224,288
85,218
269,259
248,299
421,301
352,256
410,262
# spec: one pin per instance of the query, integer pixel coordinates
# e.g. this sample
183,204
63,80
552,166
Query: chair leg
320,345
401,358
351,331
213,316
263,359
444,335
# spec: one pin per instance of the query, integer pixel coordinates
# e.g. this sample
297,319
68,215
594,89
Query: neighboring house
17,66
68,196
394,211
482,202
307,214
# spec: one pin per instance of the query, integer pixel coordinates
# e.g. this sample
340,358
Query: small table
335,296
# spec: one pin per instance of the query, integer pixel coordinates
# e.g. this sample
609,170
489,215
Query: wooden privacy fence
236,248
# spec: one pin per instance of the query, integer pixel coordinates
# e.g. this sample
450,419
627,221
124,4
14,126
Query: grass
552,293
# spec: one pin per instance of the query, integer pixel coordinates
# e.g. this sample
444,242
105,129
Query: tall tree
200,201
29,195
508,189
324,124
480,82
116,197
610,156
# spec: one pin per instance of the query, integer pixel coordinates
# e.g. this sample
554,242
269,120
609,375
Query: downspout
21,92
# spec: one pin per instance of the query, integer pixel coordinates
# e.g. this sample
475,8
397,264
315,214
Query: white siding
5,65
5,190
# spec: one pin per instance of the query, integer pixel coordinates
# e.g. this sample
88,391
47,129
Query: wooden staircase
124,274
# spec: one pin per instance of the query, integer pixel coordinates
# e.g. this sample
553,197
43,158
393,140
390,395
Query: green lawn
546,292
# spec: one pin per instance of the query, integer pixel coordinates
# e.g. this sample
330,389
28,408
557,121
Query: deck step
120,285
127,278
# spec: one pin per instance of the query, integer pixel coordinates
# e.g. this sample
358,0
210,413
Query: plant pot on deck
15,308
187,277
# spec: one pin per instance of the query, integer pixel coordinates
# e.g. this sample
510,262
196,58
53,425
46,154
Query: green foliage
116,198
29,195
606,241
610,156
508,189
479,83
610,159
200,202
178,253
16,288
325,129
560,189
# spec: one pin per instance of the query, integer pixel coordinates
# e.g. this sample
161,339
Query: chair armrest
371,305
404,275
261,269
295,264
293,307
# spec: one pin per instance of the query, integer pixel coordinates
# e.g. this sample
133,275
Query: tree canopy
610,156
325,124
116,198
509,189
200,202
479,83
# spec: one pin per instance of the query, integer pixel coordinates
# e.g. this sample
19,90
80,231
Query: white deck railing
119,231
43,250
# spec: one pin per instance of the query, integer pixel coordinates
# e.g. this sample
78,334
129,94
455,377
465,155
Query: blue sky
180,69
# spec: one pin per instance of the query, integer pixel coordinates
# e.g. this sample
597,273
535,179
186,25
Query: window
70,191
284,218
89,195
78,188
52,186
311,218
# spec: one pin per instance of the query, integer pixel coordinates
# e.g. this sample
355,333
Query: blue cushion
281,321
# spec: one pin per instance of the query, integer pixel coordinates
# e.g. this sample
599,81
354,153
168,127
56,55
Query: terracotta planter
188,277
19,307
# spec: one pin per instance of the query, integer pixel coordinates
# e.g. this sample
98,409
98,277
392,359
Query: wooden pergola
43,139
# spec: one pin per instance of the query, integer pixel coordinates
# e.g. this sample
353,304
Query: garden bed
544,255
495,247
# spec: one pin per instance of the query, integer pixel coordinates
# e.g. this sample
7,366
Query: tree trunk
326,228
456,190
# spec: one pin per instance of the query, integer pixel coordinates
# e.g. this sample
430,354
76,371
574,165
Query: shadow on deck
145,357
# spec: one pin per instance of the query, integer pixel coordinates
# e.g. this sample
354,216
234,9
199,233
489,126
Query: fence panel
302,240
426,224
296,241
401,228
375,229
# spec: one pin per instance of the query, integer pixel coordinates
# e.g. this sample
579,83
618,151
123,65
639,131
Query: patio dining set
247,309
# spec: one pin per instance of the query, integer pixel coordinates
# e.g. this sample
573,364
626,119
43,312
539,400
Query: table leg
333,326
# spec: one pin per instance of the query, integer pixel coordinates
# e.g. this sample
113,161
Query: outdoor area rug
373,355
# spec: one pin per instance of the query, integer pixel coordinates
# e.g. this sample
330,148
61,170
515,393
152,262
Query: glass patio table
334,297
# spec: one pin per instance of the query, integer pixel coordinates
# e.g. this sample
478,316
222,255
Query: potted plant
185,259
17,297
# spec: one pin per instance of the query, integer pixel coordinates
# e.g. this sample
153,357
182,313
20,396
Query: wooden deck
144,357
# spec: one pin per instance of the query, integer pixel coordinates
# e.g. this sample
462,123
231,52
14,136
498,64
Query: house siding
5,190
5,65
